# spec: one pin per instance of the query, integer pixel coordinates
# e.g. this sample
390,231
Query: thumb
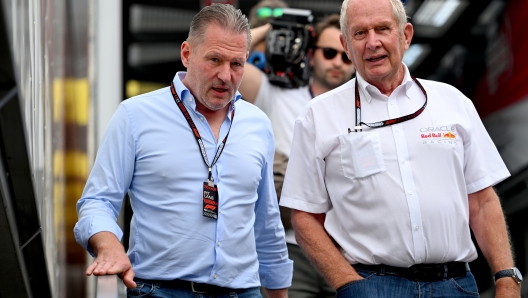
128,279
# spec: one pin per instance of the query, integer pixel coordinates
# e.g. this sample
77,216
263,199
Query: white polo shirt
394,195
282,105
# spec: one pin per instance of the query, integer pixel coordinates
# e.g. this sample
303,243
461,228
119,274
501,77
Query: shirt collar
407,80
186,96
367,90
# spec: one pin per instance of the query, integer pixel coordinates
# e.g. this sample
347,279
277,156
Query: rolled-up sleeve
108,182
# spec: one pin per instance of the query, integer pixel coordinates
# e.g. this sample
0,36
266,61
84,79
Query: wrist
507,287
511,274
346,280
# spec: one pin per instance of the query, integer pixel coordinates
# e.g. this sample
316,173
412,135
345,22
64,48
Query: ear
185,53
344,44
408,32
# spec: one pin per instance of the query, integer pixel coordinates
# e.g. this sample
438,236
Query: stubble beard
329,82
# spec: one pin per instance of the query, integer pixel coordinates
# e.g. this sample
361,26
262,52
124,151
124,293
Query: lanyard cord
196,133
390,121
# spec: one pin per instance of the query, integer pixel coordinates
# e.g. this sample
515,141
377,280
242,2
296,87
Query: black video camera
287,45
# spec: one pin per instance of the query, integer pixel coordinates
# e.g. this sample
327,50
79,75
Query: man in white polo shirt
387,174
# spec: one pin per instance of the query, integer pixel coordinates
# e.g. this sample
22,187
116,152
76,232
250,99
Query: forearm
322,252
487,221
258,35
103,241
489,227
279,293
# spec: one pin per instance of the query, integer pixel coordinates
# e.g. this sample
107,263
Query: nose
224,72
372,40
338,60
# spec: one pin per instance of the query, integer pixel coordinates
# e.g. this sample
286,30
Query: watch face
517,273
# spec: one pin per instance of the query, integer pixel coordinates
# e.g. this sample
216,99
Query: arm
322,252
489,227
275,268
281,293
258,35
252,75
98,209
111,258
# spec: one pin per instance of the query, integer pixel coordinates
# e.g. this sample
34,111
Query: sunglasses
330,54
267,12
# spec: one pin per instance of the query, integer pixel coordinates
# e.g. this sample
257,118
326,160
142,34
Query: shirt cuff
88,226
276,276
302,205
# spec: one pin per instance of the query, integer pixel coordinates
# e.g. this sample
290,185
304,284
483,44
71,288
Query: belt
420,272
197,288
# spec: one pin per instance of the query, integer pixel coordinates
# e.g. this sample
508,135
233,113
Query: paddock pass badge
210,200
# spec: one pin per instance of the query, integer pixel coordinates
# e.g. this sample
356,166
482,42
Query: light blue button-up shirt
149,151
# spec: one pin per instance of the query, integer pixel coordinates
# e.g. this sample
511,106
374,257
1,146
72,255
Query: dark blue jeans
376,286
156,291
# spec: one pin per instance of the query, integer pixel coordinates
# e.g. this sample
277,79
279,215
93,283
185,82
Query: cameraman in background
330,69
260,15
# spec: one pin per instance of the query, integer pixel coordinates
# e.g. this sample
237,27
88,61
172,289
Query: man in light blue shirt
197,164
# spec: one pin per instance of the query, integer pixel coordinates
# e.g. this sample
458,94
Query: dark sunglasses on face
330,54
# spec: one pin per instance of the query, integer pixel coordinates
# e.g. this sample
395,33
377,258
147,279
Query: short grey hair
398,12
224,15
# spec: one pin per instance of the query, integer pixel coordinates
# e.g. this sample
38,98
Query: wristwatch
513,272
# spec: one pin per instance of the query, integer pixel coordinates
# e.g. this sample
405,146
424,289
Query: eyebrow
217,54
380,24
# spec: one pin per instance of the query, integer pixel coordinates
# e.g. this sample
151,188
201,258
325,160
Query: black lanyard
196,133
390,121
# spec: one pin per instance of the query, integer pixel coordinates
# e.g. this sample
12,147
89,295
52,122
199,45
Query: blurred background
66,64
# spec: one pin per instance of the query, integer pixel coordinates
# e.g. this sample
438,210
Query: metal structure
22,258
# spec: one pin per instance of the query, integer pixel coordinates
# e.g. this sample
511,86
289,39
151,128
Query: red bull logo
449,135
431,135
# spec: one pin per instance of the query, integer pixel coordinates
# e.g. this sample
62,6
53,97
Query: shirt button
219,210
214,276
397,130
218,243
410,192
416,228
201,118
403,161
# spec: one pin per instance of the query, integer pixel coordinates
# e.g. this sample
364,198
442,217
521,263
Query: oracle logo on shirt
440,135
438,128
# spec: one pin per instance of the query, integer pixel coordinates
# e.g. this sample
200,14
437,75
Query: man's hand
321,251
111,258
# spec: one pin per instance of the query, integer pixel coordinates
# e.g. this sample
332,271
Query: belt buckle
195,291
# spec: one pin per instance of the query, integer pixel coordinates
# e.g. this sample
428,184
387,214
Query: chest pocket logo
361,154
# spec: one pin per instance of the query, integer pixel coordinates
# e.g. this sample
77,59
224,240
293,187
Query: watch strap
511,272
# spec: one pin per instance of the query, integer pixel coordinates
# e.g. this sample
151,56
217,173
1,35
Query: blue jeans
376,286
154,290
